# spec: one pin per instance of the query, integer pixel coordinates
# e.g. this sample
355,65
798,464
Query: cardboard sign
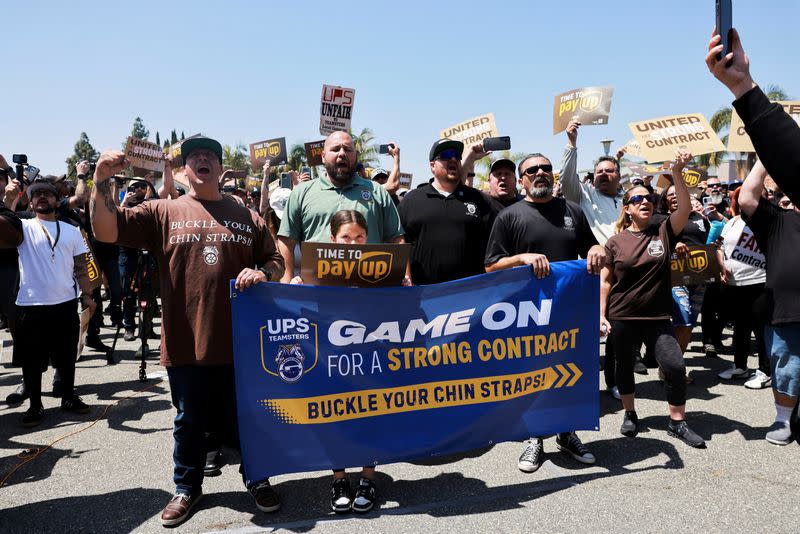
660,138
144,155
739,141
471,131
336,109
374,265
314,153
92,269
633,149
272,149
590,105
405,179
700,266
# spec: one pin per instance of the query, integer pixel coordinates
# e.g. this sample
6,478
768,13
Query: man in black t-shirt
777,233
502,185
447,222
535,231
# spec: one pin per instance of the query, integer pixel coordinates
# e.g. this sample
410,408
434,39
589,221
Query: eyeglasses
533,169
638,199
445,155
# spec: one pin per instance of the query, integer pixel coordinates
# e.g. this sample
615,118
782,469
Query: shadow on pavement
119,511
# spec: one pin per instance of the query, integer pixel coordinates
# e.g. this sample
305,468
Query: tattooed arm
102,206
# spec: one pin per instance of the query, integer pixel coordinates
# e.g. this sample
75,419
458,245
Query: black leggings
660,338
748,306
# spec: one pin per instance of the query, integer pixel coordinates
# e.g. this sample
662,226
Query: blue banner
344,377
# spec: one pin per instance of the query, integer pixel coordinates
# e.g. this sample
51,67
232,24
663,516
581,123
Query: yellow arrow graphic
564,375
578,374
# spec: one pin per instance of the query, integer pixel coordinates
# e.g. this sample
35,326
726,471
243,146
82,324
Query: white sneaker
759,380
733,372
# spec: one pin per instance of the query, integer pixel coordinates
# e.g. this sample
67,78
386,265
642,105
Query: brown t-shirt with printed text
200,245
641,266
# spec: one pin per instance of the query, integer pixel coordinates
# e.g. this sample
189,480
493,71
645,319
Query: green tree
366,148
236,158
721,123
158,139
297,157
173,137
139,131
182,136
83,151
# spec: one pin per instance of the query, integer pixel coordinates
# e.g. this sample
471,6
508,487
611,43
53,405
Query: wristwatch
267,273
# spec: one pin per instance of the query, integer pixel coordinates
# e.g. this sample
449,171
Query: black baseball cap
440,145
503,162
196,143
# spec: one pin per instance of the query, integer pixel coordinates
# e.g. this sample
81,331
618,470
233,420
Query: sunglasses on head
445,155
638,199
533,169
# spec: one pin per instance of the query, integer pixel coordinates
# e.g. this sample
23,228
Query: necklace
634,234
50,241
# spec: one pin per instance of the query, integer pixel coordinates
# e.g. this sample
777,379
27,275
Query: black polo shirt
498,204
448,233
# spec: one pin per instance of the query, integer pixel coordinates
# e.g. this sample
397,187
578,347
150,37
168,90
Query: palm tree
721,122
236,158
367,150
297,157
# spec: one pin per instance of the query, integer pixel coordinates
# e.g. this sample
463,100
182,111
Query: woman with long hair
636,299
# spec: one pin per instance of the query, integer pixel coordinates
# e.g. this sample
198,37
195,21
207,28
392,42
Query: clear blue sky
247,71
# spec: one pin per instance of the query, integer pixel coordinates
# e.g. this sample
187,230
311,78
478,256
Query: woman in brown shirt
636,299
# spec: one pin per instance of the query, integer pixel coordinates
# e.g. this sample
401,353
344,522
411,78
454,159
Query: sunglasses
715,186
533,169
445,155
638,199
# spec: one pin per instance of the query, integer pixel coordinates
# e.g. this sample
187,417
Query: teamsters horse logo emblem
290,360
211,255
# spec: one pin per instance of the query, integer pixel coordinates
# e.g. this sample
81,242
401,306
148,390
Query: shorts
783,347
686,304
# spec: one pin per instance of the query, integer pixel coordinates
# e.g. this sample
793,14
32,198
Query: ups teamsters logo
290,362
697,261
691,178
274,149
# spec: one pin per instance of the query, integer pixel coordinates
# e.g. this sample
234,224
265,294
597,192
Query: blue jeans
204,397
783,345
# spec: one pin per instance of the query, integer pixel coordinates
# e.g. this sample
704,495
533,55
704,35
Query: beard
543,191
716,198
339,177
45,209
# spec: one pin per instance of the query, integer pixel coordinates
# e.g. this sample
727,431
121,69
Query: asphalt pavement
111,470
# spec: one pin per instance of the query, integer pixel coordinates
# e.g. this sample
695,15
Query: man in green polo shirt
312,204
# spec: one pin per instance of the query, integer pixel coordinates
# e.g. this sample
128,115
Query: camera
131,189
20,159
92,167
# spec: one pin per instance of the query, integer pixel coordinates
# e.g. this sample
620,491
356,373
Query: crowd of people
626,229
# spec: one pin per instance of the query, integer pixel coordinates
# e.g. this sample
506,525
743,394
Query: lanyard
50,241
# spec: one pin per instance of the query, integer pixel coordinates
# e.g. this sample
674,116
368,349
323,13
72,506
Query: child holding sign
349,227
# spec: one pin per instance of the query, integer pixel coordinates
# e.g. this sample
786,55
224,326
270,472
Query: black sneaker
33,416
569,443
96,344
680,430
710,350
18,396
129,335
365,496
630,424
213,465
340,496
267,499
531,458
74,404
639,367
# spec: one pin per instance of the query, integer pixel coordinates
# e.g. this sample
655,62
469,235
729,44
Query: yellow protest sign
473,130
739,141
590,105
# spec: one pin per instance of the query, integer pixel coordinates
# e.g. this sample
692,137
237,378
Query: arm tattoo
104,188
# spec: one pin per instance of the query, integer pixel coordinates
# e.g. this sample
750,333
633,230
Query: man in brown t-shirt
201,241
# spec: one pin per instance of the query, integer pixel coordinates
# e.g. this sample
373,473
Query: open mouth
452,167
541,182
203,170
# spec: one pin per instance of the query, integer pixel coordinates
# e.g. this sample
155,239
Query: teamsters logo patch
289,348
211,255
472,209
655,248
